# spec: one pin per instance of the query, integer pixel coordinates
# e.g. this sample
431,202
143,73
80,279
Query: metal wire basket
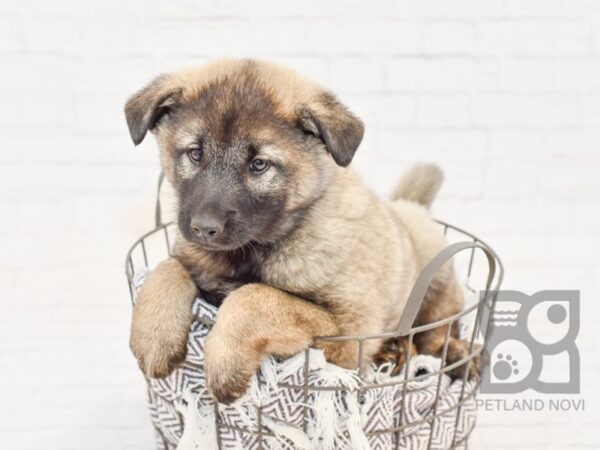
476,265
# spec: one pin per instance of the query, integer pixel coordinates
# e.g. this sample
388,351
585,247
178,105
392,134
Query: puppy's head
247,146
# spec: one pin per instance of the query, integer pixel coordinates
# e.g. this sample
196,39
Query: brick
591,109
531,248
127,35
7,280
82,149
273,8
382,35
574,38
160,9
123,75
517,145
512,437
516,38
538,37
280,36
12,111
24,71
461,154
396,110
410,74
26,440
526,110
450,37
356,74
500,212
505,179
578,74
100,114
48,108
444,110
59,180
535,8
457,9
459,146
36,218
528,74
581,182
574,143
42,33
583,8
110,215
197,38
75,8
11,33
588,213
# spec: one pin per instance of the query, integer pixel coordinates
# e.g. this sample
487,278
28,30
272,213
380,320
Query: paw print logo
511,362
505,367
528,332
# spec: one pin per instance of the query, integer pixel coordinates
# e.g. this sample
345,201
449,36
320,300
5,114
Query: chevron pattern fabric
183,414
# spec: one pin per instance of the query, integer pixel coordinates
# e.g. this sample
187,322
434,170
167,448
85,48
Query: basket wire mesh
155,245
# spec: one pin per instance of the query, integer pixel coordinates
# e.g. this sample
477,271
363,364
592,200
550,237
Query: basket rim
360,338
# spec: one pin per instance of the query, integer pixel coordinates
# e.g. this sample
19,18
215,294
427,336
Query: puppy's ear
339,129
149,105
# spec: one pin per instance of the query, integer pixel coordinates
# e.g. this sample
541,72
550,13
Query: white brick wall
503,94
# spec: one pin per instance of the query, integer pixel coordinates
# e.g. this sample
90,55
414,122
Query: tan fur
346,269
162,317
290,89
420,185
255,320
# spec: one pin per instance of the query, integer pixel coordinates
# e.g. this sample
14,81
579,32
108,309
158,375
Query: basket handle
417,294
157,208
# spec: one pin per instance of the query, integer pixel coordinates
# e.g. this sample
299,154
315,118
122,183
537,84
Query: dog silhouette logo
531,344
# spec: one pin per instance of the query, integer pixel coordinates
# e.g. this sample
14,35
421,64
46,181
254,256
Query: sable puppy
274,227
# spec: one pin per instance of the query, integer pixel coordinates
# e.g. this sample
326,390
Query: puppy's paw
159,335
162,316
228,367
458,350
395,351
158,355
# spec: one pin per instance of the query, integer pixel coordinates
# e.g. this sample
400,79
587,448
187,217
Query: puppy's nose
208,226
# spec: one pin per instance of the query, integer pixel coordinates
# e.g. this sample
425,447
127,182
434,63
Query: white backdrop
503,94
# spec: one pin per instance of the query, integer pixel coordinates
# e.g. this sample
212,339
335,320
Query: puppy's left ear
149,105
339,129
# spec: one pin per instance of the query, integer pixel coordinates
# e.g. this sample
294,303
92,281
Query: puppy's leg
162,317
442,301
254,321
432,342
395,351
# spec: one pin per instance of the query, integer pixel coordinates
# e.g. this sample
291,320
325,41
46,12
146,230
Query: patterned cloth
184,415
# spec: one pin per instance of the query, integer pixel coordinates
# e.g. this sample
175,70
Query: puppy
275,229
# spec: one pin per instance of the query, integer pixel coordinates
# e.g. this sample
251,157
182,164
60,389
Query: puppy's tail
420,184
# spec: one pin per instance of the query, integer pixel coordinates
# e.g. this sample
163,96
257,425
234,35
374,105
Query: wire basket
477,267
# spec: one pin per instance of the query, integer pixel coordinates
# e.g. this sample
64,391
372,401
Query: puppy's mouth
225,246
223,242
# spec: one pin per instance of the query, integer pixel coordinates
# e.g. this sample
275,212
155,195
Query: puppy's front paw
162,317
458,350
228,367
158,336
158,354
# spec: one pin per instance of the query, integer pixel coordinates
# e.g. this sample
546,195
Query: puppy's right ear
340,130
149,105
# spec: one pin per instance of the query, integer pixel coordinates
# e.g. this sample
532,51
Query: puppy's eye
195,155
258,165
